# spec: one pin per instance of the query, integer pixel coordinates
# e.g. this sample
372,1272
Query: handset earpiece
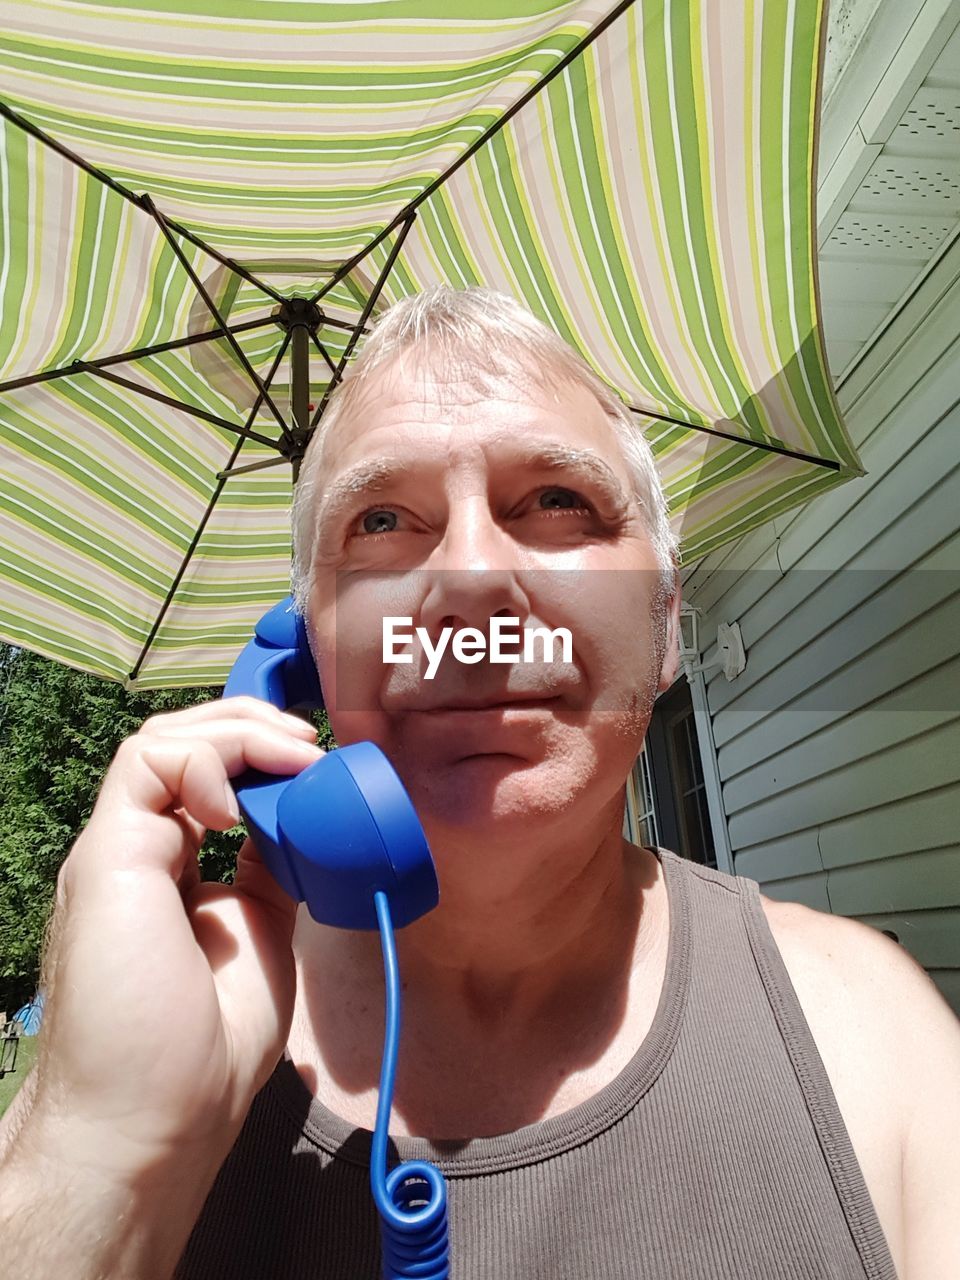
344,828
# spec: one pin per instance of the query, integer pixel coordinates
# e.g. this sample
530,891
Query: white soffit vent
901,236
901,216
928,187
931,123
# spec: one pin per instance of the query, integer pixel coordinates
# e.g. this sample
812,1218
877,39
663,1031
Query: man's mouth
518,704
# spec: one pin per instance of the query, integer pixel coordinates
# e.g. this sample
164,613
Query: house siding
839,746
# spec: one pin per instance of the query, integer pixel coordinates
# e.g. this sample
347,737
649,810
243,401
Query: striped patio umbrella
205,203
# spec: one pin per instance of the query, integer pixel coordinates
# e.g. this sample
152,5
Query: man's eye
557,499
380,520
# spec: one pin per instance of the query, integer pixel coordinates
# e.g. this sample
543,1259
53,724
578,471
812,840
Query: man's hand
169,1000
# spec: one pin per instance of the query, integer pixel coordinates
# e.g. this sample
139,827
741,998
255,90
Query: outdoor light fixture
689,632
731,656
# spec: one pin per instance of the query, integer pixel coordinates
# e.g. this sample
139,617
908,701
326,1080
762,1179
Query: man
626,1065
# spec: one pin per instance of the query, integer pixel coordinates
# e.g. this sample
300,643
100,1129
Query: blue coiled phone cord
412,1201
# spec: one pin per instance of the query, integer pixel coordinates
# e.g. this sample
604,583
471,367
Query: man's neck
517,1005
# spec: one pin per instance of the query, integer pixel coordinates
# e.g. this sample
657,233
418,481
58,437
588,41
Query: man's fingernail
232,807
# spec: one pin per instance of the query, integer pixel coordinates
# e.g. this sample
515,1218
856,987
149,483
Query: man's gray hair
484,334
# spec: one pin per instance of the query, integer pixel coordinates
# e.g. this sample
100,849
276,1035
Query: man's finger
159,772
225,732
244,708
153,776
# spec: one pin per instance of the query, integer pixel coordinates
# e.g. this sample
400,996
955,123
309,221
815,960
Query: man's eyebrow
365,477
588,463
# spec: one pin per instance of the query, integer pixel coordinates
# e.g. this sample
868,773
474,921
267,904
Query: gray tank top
717,1153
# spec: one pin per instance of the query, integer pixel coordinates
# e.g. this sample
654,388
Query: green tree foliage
59,729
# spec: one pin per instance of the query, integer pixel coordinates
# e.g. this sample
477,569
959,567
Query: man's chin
484,795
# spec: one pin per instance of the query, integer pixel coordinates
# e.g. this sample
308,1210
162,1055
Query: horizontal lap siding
839,746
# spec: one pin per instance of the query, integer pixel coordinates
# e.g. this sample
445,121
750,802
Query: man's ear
671,649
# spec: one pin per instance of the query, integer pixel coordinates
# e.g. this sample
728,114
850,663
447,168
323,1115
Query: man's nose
473,573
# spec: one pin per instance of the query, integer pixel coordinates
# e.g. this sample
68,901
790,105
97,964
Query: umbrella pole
301,319
300,391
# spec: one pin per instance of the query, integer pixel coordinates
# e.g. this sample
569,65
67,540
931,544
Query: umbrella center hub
296,313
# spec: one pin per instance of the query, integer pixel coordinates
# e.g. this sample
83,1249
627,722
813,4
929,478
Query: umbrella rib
251,466
165,227
138,353
324,352
35,132
412,206
830,464
338,324
222,478
177,404
361,323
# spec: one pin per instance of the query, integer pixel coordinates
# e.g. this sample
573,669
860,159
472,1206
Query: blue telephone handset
344,828
343,837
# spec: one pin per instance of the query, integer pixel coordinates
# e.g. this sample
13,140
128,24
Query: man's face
493,499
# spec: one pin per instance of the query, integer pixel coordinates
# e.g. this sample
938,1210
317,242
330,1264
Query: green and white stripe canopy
640,175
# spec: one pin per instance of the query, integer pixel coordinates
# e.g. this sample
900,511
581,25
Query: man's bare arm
930,1034
68,1210
75,1203
107,1156
918,1036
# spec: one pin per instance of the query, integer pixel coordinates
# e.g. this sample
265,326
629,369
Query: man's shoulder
861,959
847,971
825,935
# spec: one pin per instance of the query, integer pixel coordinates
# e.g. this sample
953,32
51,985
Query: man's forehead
420,399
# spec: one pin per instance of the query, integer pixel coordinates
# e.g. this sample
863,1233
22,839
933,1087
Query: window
666,797
690,795
640,817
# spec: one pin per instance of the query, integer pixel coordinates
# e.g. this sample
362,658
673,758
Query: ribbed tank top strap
839,1155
